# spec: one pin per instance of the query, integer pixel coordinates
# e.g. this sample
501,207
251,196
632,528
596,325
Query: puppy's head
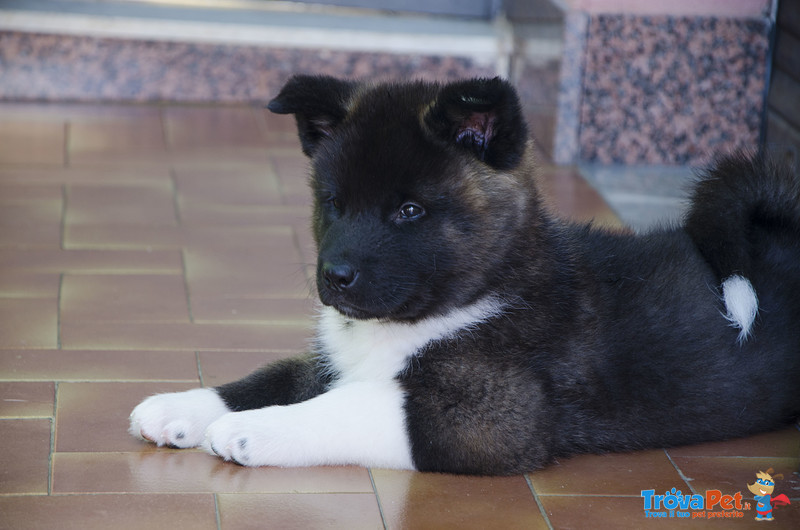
419,189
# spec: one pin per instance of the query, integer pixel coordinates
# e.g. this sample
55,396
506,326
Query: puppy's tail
742,195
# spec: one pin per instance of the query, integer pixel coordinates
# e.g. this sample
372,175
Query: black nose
339,277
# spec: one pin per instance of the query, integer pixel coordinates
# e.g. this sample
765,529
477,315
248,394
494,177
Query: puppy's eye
335,202
410,211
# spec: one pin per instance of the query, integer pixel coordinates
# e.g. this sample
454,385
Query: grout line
52,440
377,497
67,133
58,310
686,479
199,369
64,204
164,132
538,501
175,203
186,286
216,511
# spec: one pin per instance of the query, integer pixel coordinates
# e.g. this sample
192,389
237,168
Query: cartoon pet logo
762,489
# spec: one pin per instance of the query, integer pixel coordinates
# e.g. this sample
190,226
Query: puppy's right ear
319,104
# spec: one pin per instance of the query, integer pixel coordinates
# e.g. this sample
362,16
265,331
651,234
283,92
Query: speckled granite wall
62,67
663,89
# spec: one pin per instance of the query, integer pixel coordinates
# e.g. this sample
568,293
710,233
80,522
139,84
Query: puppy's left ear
482,116
319,104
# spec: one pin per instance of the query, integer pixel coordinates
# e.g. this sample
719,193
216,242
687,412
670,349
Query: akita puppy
464,329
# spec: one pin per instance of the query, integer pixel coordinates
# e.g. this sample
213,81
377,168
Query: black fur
425,202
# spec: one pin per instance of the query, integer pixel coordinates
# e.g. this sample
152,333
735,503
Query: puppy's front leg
180,419
359,423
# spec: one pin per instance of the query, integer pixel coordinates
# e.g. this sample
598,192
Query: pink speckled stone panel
63,67
671,90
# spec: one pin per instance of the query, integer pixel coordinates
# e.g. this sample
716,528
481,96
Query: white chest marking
370,350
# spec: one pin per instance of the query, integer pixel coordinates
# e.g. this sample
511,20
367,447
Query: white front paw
251,438
178,419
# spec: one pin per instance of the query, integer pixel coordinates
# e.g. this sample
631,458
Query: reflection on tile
610,474
223,367
271,270
417,500
252,309
287,512
623,513
30,215
148,204
38,144
28,323
124,298
20,284
162,470
92,261
571,198
70,365
183,336
101,512
785,442
26,400
24,450
247,186
215,127
133,141
94,416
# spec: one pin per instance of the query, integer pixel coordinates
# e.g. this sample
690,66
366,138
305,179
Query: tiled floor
147,249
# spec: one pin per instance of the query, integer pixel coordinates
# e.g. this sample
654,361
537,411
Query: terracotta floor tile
300,512
785,442
28,323
101,512
248,186
25,400
68,365
730,475
162,470
178,336
212,127
150,204
252,309
293,171
84,175
609,512
258,215
272,270
123,237
223,367
136,237
32,143
135,141
20,284
30,216
92,261
220,156
31,236
278,124
572,198
610,474
50,195
124,298
94,416
430,500
24,450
